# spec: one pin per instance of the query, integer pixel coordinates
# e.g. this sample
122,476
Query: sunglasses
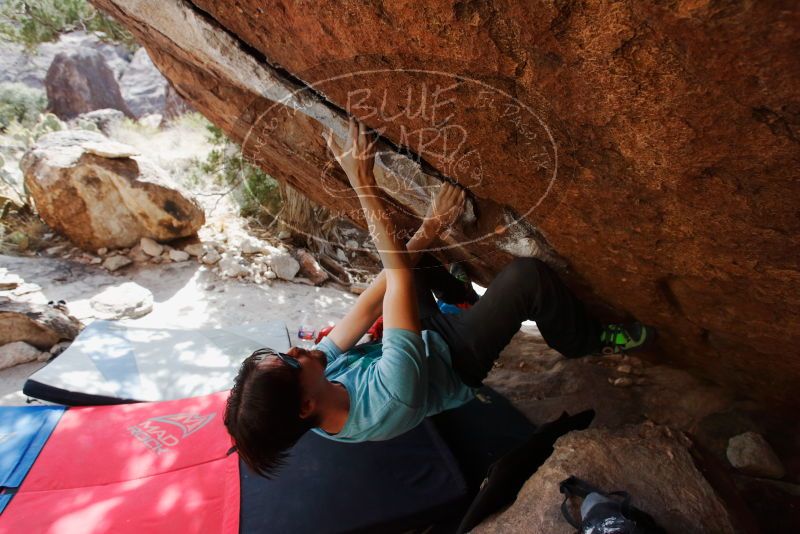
291,361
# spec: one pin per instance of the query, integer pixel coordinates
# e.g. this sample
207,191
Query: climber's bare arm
357,159
446,207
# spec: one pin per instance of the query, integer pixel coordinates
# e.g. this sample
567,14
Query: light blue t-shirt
393,385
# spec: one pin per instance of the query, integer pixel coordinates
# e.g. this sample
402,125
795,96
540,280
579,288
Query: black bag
605,513
507,475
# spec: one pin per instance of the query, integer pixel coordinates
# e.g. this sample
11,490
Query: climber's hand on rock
357,156
445,208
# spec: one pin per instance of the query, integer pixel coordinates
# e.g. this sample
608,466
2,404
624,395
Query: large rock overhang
652,156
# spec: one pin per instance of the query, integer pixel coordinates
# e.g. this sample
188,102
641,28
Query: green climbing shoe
458,272
617,338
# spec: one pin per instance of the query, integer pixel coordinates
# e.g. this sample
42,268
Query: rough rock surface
143,87
38,325
637,459
79,82
98,200
646,149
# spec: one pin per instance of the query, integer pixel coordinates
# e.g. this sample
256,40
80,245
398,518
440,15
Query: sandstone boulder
646,149
142,86
98,194
79,82
38,325
651,463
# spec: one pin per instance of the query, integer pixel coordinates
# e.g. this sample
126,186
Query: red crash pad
148,467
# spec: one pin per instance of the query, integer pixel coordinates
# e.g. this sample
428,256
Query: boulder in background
98,200
30,66
143,87
79,82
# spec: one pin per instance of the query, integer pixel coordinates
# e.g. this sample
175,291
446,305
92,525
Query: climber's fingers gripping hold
446,207
357,156
333,144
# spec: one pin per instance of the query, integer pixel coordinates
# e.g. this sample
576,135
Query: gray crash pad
112,363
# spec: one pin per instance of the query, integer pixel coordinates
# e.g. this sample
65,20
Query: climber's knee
525,272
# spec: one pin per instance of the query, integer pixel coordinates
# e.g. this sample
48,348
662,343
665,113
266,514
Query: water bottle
306,333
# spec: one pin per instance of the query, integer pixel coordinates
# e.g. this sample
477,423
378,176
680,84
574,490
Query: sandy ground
185,295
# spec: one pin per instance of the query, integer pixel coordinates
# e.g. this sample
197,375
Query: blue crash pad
23,432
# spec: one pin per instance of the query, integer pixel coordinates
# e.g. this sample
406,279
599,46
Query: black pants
526,289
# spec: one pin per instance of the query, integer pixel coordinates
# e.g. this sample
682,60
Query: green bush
30,22
19,137
256,192
20,103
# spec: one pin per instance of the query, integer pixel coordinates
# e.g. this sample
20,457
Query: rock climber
427,361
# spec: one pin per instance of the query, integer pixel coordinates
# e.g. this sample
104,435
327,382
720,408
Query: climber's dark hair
262,414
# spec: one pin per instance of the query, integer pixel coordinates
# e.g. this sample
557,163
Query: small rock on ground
284,265
211,257
114,263
150,247
178,255
59,347
232,267
310,267
751,454
125,301
138,255
195,249
19,352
